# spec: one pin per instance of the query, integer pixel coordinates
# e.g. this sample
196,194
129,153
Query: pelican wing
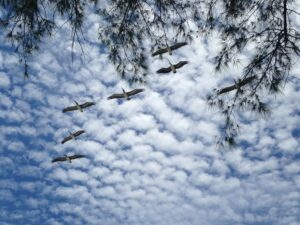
164,70
159,51
70,108
66,139
236,85
180,64
87,104
59,159
178,45
77,156
173,47
116,96
135,91
77,133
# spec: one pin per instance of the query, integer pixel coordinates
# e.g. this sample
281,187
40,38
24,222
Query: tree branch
285,29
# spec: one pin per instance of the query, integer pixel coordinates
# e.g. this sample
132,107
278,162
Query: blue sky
150,160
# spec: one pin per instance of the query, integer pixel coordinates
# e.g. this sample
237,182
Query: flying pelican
72,136
126,94
172,67
169,49
237,85
79,107
67,158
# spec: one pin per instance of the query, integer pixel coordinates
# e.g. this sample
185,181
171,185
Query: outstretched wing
135,91
236,85
66,139
173,47
71,108
77,133
116,96
164,70
77,156
178,45
160,51
87,104
59,159
180,64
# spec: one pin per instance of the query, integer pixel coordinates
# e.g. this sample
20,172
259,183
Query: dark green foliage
127,26
130,23
267,26
27,22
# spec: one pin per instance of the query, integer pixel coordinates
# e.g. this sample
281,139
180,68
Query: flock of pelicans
124,94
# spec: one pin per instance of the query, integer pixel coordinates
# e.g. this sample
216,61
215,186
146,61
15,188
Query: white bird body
125,94
68,159
172,67
72,136
78,106
169,50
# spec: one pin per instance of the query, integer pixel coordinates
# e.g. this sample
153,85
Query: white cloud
152,159
78,175
289,145
4,80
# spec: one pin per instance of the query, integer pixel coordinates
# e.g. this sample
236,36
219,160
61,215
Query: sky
150,160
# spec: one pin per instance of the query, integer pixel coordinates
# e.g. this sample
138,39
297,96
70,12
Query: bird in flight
172,67
125,94
79,107
67,158
169,49
72,136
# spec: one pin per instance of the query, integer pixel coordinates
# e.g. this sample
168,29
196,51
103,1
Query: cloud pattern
150,160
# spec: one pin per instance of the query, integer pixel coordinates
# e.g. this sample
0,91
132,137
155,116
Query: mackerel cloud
150,160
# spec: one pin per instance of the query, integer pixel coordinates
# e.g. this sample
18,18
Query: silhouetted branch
285,21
